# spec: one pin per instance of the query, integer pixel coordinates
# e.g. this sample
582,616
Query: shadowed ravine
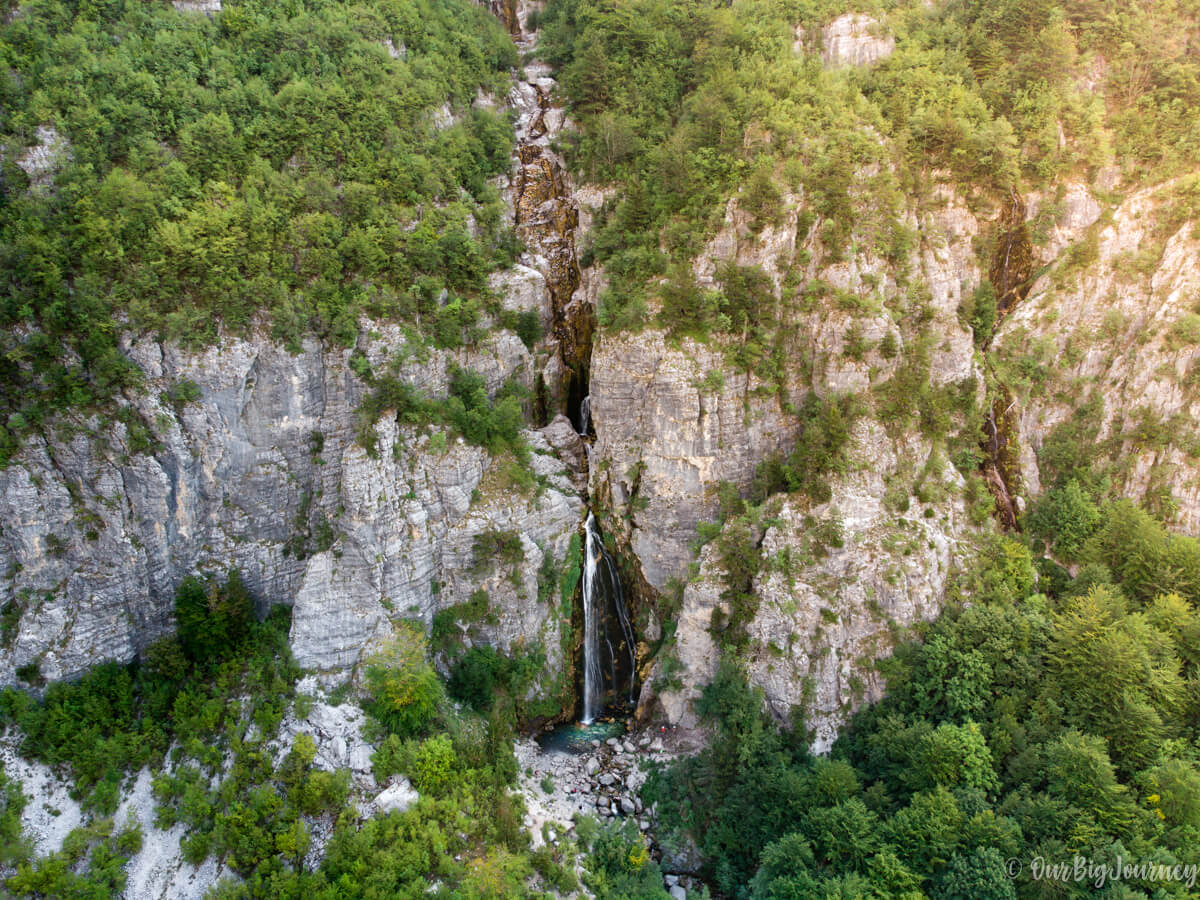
546,216
609,648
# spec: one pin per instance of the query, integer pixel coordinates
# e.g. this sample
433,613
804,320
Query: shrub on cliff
494,425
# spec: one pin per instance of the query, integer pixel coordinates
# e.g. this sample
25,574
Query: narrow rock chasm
1011,273
546,218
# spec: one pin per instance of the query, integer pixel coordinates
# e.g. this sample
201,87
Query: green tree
953,755
927,831
844,837
1145,560
1176,783
786,872
1116,675
1079,770
403,689
1065,519
979,875
212,618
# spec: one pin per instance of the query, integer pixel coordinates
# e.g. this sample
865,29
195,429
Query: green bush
403,690
495,426
482,671
434,764
91,864
979,313
820,451
475,676
740,554
13,845
1064,518
619,865
496,547
117,719
445,632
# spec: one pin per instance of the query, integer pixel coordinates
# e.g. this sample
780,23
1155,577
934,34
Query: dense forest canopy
294,164
1040,718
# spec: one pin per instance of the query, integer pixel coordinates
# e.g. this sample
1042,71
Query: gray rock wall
668,433
261,473
1120,331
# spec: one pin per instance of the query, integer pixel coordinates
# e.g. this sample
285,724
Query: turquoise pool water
577,738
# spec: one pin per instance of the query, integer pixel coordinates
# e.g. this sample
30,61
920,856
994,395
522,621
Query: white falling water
593,613
602,588
585,414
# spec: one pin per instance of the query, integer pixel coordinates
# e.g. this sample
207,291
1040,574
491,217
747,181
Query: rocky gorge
260,464
262,471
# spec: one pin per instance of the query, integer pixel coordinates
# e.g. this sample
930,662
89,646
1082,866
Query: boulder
398,796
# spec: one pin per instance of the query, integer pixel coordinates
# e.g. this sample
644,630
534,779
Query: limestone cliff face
667,432
262,472
855,40
1107,345
840,585
664,439
1095,356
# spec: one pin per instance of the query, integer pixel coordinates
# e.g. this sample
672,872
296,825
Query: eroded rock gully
1011,274
1002,465
1012,263
546,217
507,12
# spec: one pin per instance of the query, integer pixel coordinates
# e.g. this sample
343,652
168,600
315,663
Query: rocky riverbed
604,780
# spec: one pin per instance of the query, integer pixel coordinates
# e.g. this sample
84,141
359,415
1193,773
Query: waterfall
592,677
608,642
585,414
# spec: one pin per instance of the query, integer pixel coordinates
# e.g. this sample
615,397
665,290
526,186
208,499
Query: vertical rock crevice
1002,465
506,12
546,216
1011,274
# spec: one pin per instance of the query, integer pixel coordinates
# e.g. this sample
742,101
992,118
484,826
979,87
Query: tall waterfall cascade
545,215
609,649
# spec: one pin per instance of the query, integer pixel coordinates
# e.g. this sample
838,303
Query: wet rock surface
547,217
